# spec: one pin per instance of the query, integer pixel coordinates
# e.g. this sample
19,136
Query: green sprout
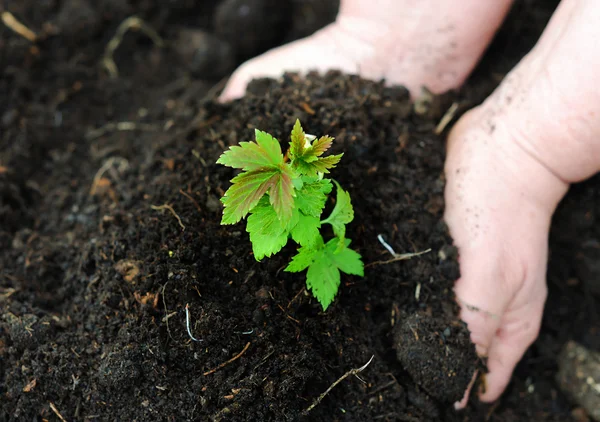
285,197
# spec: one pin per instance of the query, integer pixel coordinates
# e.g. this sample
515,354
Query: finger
407,42
320,52
509,346
464,401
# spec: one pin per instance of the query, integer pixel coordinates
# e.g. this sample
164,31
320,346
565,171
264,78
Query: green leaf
246,190
268,233
304,258
282,194
298,141
312,166
248,156
311,197
323,279
324,263
306,231
342,213
306,157
321,145
264,172
347,260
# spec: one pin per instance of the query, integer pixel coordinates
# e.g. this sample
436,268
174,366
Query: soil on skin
110,238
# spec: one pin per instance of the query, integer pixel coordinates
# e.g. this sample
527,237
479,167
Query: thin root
188,196
56,412
354,372
167,315
13,23
398,257
170,208
446,118
121,163
132,22
236,357
187,323
119,127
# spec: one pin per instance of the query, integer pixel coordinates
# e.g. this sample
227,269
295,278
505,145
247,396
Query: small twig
132,22
167,315
236,357
188,196
294,298
354,372
212,92
7,292
170,208
187,323
446,118
56,412
418,291
119,127
122,164
399,257
383,387
13,23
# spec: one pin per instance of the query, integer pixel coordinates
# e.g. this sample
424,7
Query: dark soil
110,235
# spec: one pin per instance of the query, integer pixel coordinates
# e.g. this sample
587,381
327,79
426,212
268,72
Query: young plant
285,197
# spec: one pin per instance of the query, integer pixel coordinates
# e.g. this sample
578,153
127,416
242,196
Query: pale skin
510,160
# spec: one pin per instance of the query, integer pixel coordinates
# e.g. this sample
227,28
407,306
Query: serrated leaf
324,263
323,280
311,197
347,260
317,165
282,194
246,190
306,231
248,156
304,258
267,245
268,234
321,145
298,140
342,213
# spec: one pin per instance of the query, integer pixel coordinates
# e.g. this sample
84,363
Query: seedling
284,197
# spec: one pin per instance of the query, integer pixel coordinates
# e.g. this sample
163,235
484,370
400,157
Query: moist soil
123,298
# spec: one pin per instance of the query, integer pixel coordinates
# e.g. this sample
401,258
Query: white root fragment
132,22
187,323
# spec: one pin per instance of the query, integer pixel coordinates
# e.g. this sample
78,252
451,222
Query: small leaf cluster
283,197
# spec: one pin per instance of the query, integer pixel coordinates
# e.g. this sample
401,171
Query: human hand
509,163
409,42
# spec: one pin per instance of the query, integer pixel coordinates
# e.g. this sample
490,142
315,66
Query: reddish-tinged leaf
282,194
321,145
265,152
245,192
298,141
320,165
